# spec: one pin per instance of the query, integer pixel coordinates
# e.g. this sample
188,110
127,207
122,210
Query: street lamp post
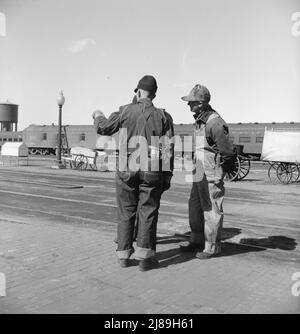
60,102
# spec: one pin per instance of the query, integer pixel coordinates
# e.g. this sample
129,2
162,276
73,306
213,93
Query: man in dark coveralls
213,157
143,171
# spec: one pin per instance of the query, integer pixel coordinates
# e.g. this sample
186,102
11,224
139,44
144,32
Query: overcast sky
245,52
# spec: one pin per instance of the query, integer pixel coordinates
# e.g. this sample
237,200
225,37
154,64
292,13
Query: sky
247,53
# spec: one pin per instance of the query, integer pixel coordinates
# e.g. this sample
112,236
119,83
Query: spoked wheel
81,162
272,172
292,170
234,175
244,169
94,167
295,173
284,173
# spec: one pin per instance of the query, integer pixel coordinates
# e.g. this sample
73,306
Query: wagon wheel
81,162
94,167
244,169
272,172
295,173
284,173
234,175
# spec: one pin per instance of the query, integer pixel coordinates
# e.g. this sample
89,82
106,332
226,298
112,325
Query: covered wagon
281,149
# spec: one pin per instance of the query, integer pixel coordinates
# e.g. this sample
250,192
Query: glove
218,190
166,181
97,113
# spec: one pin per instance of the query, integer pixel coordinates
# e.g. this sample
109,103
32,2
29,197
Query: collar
202,116
147,102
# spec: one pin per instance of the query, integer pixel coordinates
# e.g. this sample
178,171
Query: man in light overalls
213,157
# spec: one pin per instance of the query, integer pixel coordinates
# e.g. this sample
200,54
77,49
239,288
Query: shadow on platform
175,256
246,245
274,242
230,232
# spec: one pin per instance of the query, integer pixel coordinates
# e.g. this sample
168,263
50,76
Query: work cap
147,83
198,93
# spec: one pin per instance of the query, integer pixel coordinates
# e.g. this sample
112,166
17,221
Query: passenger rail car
248,135
43,139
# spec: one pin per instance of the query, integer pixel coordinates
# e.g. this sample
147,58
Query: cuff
125,254
143,253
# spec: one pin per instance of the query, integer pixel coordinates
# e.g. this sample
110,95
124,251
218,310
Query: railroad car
43,139
249,136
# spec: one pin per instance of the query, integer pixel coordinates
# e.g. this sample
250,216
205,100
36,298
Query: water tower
8,116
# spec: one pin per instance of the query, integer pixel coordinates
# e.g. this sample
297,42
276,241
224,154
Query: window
15,139
9,139
44,136
259,139
4,139
245,140
82,137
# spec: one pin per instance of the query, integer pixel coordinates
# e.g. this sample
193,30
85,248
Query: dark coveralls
141,180
213,151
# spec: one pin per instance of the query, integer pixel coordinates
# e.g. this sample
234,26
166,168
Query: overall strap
212,116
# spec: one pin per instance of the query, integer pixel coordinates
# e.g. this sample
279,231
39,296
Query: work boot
191,247
205,255
124,263
147,264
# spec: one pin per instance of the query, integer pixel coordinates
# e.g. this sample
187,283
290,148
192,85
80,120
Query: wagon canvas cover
281,146
79,150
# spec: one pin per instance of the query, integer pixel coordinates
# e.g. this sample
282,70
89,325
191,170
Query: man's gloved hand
167,176
97,113
218,190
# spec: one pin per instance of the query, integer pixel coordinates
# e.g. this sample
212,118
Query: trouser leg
196,216
212,203
149,202
136,226
127,199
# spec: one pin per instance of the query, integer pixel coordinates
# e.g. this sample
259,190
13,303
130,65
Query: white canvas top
281,146
78,150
